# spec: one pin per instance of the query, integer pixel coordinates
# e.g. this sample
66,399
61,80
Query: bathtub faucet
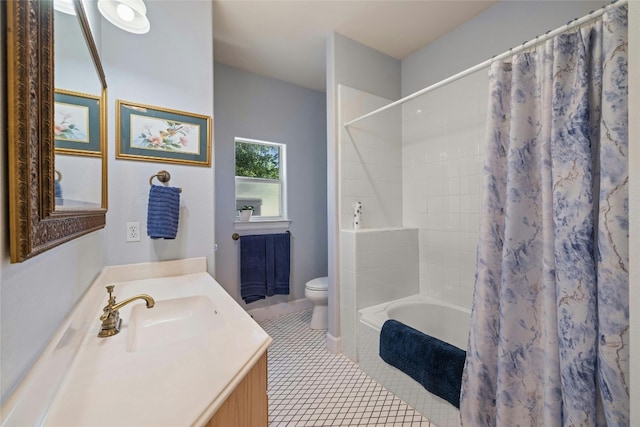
111,317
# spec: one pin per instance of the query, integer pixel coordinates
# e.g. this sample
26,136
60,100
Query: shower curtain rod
526,45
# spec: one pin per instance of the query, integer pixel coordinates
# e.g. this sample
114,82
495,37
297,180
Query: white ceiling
285,39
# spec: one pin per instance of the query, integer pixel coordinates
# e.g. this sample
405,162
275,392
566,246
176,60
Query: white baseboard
333,344
275,310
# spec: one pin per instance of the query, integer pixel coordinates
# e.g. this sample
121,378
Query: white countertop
177,384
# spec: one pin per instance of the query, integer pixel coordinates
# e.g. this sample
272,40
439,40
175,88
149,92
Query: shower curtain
549,327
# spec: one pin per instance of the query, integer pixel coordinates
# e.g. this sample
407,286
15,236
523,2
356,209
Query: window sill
262,224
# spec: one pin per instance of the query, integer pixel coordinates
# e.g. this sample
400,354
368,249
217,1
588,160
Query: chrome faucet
111,317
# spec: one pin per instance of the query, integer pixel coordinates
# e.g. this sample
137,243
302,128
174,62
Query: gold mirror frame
35,226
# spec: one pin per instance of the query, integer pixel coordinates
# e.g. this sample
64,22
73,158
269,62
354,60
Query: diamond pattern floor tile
309,386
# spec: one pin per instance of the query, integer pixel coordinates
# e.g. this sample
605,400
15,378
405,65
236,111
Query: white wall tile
348,320
377,146
348,260
386,264
449,181
348,288
431,181
353,170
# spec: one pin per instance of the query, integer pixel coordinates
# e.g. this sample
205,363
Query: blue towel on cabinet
435,364
264,266
163,212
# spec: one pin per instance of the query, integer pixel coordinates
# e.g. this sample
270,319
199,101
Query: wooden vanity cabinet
247,405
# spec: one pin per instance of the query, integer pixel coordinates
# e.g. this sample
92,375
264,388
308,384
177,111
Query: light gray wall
256,107
169,69
364,68
35,295
352,64
94,17
499,28
172,70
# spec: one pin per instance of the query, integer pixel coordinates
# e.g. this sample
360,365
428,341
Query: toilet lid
318,284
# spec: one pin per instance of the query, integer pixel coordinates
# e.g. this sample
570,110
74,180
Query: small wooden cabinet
247,405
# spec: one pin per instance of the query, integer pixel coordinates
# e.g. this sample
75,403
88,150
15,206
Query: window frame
282,181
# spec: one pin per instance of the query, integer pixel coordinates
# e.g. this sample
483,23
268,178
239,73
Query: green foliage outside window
257,161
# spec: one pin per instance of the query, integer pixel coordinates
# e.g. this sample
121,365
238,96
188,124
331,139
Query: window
260,178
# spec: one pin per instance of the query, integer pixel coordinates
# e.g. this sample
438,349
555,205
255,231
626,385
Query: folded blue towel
58,189
163,212
435,364
253,268
282,263
264,266
270,266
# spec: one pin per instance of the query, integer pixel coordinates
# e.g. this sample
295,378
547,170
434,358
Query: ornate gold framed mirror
36,225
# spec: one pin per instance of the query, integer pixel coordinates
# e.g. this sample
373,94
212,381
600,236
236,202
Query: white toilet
316,290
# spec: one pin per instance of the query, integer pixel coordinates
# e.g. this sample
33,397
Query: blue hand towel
253,268
58,189
270,266
282,263
264,266
163,212
435,364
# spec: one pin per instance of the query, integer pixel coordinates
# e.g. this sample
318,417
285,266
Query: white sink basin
171,321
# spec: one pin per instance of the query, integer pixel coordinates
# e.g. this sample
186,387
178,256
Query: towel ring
164,177
58,175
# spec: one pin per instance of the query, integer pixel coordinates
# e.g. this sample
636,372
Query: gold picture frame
77,123
156,134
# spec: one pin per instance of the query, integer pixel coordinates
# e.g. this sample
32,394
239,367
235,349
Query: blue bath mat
435,364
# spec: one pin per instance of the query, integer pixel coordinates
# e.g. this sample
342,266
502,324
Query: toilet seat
318,284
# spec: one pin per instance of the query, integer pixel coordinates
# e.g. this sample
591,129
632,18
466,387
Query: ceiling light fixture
64,6
129,15
125,12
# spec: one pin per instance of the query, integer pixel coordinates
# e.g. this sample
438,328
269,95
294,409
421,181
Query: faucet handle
111,317
112,298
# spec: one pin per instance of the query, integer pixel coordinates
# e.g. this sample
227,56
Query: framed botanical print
76,123
156,134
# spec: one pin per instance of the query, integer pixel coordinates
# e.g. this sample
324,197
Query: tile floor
309,386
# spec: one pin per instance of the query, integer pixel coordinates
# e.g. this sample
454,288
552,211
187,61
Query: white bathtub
447,322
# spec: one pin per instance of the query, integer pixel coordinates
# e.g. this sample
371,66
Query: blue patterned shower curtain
549,327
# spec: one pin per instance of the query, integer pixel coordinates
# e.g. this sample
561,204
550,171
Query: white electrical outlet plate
133,231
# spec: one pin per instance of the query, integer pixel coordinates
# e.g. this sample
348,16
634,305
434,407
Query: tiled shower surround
442,155
370,162
377,265
423,241
434,188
